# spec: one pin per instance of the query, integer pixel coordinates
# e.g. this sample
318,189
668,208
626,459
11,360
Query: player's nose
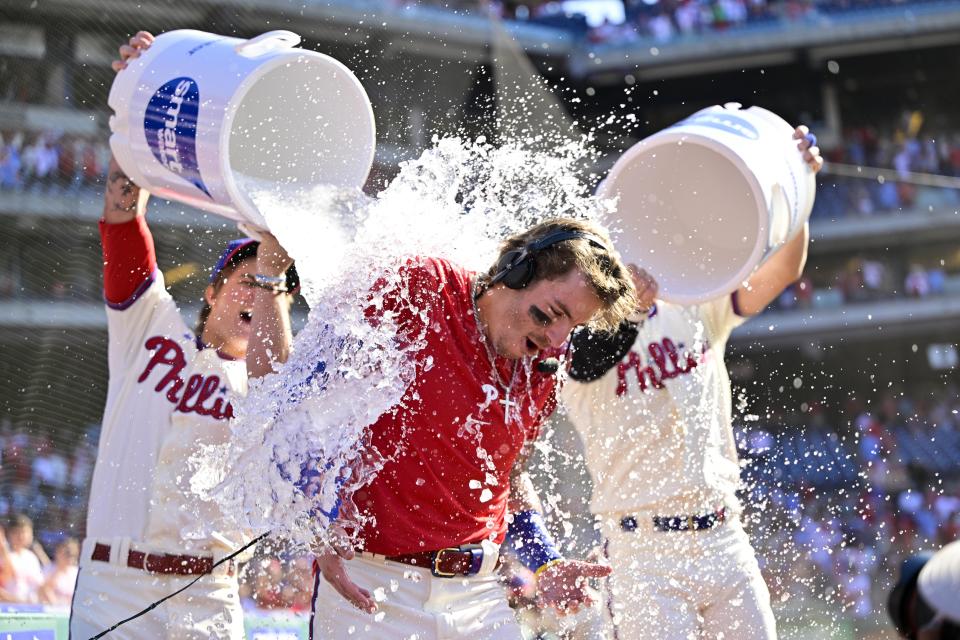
558,333
246,294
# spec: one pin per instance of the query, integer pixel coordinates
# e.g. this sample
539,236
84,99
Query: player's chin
238,347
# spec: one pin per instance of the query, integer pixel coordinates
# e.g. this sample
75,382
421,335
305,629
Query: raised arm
270,334
129,259
785,266
123,200
781,270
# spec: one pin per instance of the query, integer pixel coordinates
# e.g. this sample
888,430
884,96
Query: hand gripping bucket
702,203
198,113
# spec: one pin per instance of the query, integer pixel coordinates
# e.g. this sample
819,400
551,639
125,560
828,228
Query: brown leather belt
162,563
450,562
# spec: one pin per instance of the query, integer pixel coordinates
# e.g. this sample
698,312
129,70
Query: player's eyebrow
564,309
539,316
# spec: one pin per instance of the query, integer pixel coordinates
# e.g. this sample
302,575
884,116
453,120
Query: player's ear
209,294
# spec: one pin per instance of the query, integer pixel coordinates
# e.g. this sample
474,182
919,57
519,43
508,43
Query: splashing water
298,449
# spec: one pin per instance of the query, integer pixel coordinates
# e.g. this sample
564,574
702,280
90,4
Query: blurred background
846,389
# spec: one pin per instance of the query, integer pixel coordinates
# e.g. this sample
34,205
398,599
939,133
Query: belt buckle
435,569
692,523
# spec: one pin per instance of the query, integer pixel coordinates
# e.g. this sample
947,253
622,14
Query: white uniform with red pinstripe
167,397
658,441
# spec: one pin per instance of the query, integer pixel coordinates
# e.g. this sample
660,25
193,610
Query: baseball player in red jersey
169,394
652,404
439,504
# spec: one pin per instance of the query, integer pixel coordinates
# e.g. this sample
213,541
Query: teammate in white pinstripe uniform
652,404
169,393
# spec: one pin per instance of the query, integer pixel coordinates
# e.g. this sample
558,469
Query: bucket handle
267,42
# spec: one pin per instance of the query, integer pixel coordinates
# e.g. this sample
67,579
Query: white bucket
701,204
198,112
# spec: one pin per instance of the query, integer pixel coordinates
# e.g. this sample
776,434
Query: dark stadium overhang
467,36
343,21
871,31
862,322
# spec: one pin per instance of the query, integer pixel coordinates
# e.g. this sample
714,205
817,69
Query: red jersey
449,446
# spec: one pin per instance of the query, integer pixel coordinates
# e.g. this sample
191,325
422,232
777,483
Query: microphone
548,366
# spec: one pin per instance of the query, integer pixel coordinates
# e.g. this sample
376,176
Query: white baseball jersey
656,427
167,397
28,575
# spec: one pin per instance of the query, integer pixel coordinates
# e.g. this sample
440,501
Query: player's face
66,554
20,537
231,307
526,321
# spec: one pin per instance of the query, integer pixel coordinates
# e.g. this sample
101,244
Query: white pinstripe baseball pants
685,585
414,605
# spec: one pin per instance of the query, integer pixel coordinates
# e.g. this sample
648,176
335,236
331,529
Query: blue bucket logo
724,122
170,125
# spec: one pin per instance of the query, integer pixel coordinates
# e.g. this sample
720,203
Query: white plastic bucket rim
233,203
609,188
238,195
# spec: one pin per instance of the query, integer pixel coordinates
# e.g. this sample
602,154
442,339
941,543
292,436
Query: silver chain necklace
508,405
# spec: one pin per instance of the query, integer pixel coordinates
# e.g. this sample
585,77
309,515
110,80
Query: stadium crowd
904,150
27,574
51,161
46,480
836,508
865,278
657,20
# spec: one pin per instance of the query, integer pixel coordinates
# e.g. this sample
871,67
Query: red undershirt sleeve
129,261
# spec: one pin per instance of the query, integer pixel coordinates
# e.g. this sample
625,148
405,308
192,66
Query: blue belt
678,523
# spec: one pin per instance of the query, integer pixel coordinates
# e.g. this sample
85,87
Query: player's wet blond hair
602,268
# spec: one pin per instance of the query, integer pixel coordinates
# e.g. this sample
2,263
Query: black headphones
517,268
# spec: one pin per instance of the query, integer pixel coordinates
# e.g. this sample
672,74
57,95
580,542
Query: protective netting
838,489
